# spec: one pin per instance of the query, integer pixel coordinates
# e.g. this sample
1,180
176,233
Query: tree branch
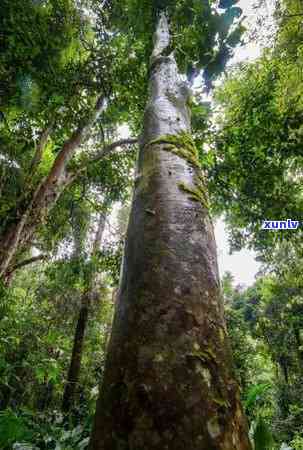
101,154
40,147
26,262
110,147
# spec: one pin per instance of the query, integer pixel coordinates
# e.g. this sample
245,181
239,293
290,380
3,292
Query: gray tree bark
168,382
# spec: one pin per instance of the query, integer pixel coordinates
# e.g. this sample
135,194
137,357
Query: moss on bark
182,145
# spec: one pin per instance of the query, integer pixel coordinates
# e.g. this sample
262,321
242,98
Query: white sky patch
242,264
9,162
247,52
261,17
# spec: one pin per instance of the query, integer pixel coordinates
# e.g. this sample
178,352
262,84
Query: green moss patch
182,145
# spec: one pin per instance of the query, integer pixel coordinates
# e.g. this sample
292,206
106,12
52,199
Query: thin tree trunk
168,382
75,363
282,360
45,195
19,234
299,346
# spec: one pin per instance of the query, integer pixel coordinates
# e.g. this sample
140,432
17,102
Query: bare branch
101,154
26,262
110,147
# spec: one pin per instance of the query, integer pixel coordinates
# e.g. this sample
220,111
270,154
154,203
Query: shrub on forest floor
29,431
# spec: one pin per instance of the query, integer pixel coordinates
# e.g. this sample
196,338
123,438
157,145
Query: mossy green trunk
168,382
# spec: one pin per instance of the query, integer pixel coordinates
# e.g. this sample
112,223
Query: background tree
89,295
55,93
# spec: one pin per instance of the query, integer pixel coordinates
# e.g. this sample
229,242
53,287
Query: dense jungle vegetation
113,143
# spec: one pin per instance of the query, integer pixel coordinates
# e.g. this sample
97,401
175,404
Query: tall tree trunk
75,363
284,368
168,382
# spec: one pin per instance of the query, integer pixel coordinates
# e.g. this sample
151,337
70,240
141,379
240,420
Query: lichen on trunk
168,382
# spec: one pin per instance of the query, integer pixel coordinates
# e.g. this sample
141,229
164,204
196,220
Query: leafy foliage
260,134
208,37
268,356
